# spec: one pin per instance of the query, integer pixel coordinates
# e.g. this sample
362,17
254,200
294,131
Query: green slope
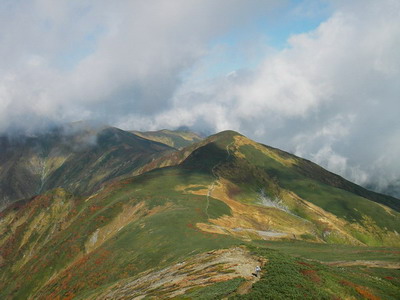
78,159
224,192
158,227
253,167
287,277
174,138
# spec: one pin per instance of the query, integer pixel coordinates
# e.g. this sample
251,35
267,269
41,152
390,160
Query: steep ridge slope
174,138
127,228
247,173
223,192
79,160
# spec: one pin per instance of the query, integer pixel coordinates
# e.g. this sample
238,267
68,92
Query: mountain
194,224
175,138
78,158
392,189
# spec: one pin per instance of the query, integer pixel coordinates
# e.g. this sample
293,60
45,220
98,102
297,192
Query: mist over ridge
325,89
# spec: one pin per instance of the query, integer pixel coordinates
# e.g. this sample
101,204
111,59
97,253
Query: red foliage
389,278
304,264
346,283
95,208
366,294
191,226
311,274
52,297
69,296
363,291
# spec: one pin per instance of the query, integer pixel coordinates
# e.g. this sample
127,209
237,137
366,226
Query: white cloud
332,95
104,60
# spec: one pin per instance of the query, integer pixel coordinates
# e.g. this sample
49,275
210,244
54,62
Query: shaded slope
116,152
79,160
302,203
313,171
254,174
282,165
219,193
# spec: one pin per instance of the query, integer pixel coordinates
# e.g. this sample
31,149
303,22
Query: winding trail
211,188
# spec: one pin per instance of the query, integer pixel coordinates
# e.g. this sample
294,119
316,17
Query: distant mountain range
109,214
78,159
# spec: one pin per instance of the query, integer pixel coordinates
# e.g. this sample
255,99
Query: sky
320,79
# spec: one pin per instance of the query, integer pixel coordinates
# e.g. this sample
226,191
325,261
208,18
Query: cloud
96,59
331,95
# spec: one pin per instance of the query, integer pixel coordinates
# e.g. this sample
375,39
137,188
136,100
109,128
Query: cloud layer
331,95
101,60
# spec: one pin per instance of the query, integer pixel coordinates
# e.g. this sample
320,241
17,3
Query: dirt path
201,270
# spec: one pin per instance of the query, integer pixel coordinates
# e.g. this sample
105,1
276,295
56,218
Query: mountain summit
129,217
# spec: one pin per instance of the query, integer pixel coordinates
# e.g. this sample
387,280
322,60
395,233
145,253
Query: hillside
78,159
251,177
174,138
194,224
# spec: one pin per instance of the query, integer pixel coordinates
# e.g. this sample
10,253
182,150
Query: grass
284,280
153,241
288,277
332,252
166,233
177,139
341,203
214,291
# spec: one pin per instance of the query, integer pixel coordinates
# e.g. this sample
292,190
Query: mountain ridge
185,208
79,161
174,138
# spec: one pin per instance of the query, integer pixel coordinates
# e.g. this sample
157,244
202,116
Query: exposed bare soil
204,269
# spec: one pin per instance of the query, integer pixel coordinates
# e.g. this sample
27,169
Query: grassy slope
333,252
79,161
313,171
163,232
287,277
250,167
146,222
173,138
115,153
335,200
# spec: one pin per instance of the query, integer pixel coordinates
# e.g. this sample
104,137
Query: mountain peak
144,211
227,134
